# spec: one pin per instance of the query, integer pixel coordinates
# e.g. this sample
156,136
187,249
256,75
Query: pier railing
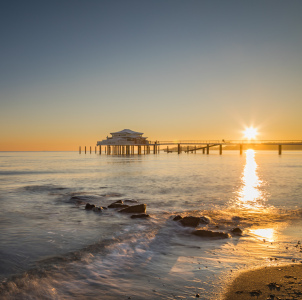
228,142
190,146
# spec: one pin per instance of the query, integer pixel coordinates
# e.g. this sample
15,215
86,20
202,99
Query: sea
52,248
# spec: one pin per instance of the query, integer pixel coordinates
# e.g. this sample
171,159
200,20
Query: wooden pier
189,146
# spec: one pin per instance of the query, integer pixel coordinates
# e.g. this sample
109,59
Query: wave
43,188
226,219
130,248
42,280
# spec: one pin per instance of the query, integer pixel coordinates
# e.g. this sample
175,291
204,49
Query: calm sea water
51,247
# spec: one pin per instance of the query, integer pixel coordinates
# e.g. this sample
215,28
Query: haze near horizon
74,71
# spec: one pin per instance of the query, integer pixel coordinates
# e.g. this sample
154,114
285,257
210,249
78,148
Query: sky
72,72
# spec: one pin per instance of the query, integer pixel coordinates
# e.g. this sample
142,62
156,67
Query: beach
279,282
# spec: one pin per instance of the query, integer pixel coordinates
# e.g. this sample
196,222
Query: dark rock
177,218
239,292
210,234
255,293
237,231
274,285
190,221
118,201
135,209
140,216
197,296
117,205
89,206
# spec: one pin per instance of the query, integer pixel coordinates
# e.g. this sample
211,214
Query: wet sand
281,282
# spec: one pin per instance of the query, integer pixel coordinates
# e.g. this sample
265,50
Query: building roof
127,131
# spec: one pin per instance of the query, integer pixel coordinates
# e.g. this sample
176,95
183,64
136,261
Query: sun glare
250,133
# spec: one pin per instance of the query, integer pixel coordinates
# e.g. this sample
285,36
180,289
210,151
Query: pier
188,146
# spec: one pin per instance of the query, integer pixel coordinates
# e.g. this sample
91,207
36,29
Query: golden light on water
249,195
250,133
266,234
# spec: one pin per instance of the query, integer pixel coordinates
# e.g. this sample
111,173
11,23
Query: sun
250,133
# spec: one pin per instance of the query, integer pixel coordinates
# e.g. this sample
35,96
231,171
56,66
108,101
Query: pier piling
280,149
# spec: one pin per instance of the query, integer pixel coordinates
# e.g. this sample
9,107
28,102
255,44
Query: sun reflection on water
266,234
250,196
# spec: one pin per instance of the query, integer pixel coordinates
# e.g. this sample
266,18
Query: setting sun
250,133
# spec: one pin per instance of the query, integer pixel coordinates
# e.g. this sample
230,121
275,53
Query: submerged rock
77,200
177,218
135,209
236,231
89,206
117,205
140,216
97,209
210,234
190,221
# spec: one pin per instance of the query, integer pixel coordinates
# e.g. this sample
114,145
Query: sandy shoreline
281,282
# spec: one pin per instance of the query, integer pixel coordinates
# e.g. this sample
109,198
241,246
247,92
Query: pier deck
191,146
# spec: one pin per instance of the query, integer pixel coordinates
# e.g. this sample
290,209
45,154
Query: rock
97,209
140,216
256,293
118,201
117,205
239,292
237,231
135,209
190,221
77,200
177,218
89,206
210,234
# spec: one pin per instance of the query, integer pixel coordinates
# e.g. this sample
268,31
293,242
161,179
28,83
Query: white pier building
124,137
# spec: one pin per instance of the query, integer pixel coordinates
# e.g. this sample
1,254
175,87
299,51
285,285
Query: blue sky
73,71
